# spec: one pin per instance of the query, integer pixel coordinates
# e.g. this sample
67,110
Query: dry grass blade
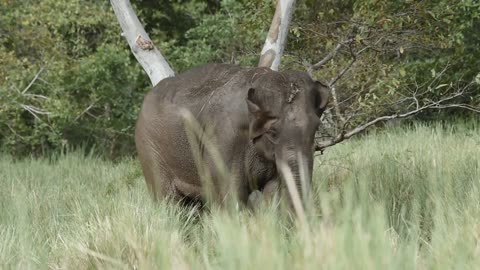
197,139
102,257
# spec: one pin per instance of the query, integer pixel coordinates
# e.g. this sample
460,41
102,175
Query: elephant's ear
321,99
260,120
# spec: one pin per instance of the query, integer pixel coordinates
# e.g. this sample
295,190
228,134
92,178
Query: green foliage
68,78
89,87
401,199
231,34
408,44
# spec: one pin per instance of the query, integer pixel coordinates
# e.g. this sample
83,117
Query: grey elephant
255,118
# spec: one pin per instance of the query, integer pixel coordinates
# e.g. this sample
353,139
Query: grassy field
401,199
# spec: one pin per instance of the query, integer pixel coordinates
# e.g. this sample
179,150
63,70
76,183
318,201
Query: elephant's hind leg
157,176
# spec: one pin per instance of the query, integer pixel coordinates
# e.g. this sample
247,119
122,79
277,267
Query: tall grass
400,199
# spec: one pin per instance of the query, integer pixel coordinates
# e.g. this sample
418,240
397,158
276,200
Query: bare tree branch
140,43
462,106
277,35
33,80
429,104
354,56
14,132
331,54
336,107
340,75
84,111
34,110
327,58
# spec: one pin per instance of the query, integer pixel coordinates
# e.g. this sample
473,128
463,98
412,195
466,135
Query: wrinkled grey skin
259,118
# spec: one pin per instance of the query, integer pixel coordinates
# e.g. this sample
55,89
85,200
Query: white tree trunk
277,35
142,47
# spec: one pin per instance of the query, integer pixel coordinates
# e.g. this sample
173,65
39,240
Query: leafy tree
67,77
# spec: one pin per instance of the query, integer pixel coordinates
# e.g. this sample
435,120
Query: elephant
256,119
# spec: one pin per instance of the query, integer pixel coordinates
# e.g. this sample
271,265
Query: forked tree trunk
277,35
157,68
149,57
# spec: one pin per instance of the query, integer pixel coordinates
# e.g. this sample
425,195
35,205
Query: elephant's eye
272,132
272,135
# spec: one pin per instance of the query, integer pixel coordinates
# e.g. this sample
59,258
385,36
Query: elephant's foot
257,198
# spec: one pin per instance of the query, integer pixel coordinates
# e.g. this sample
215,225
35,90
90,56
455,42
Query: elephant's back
196,84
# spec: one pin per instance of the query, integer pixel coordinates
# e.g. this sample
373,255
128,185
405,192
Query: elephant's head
284,114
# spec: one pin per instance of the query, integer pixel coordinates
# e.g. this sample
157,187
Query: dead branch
15,133
327,58
340,75
462,106
336,107
331,54
354,56
443,103
33,80
140,43
277,35
84,111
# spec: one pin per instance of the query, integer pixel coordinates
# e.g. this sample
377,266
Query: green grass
401,199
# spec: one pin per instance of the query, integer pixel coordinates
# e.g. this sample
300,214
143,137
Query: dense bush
68,78
408,45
